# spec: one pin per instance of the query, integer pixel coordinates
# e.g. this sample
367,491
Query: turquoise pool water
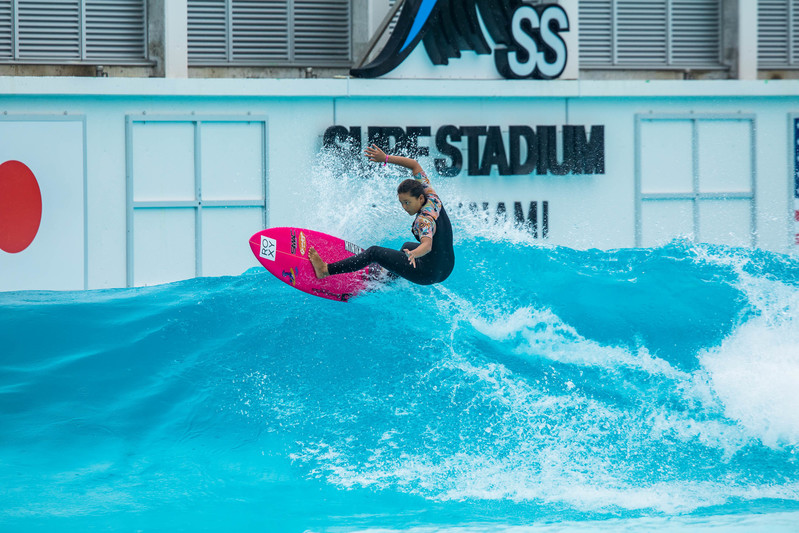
539,389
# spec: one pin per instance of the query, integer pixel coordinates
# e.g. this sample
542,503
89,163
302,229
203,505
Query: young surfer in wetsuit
425,262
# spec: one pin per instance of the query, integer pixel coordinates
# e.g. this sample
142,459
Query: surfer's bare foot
319,266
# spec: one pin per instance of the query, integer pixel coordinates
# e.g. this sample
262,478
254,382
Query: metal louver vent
6,31
260,30
207,30
794,37
61,31
322,31
778,33
114,29
641,32
650,33
48,30
596,32
695,32
395,18
269,32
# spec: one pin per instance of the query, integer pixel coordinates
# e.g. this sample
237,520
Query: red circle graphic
20,207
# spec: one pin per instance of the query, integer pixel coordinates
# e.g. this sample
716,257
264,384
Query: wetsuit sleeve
425,223
421,176
424,226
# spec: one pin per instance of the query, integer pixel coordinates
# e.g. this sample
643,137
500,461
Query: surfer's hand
411,257
375,154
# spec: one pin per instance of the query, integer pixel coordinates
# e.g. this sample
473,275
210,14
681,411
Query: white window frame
695,195
197,204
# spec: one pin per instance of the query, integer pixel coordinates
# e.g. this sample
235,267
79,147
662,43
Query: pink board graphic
284,253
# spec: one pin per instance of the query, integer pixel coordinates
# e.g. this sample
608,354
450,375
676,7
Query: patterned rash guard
424,225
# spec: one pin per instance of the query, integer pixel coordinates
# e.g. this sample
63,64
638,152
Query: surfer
428,261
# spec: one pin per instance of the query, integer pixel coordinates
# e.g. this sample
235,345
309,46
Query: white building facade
157,166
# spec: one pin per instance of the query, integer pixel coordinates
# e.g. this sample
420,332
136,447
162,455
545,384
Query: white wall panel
232,161
226,231
725,155
215,176
664,165
725,222
163,161
716,154
54,151
664,220
165,248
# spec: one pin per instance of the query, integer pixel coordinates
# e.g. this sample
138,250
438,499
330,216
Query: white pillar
378,9
176,47
572,40
747,40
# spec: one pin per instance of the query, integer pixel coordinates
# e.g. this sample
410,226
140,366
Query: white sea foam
755,370
735,523
755,373
548,477
541,447
540,332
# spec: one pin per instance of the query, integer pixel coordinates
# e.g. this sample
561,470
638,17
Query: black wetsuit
433,267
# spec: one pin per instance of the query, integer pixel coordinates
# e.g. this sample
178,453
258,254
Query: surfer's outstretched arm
379,156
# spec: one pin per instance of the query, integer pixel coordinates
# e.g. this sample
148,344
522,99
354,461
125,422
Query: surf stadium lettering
511,151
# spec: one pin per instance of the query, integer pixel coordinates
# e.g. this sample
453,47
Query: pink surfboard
284,253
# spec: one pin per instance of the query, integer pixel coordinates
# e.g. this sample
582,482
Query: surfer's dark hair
412,187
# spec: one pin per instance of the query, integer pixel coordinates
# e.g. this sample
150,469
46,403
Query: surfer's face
410,204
